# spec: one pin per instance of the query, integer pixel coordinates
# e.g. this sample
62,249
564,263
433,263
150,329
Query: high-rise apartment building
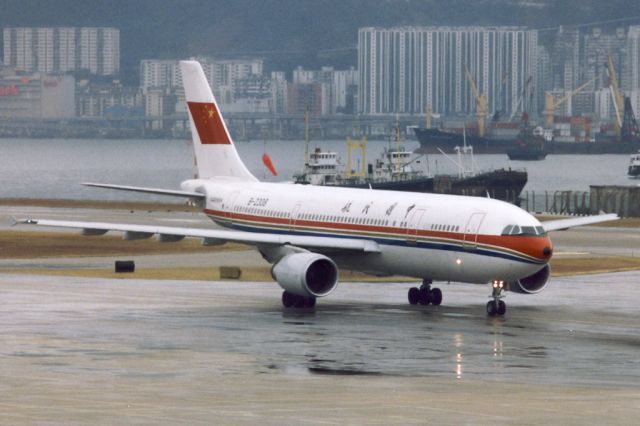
221,74
633,45
598,45
407,70
59,50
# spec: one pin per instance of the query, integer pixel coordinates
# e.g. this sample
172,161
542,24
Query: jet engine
533,283
306,274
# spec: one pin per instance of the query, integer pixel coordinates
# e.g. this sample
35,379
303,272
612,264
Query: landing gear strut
425,294
293,300
496,307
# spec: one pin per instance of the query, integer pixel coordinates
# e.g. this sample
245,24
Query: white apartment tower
406,70
59,50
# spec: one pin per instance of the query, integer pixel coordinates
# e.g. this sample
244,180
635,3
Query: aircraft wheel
300,302
502,308
311,302
436,296
288,299
414,295
424,296
492,310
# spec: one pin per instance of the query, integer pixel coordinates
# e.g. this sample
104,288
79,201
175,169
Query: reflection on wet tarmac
544,338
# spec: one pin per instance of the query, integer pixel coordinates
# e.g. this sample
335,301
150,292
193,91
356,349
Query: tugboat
393,170
634,166
530,143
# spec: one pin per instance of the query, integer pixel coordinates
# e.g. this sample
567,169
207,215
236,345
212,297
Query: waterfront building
279,86
407,70
60,50
338,88
97,100
36,96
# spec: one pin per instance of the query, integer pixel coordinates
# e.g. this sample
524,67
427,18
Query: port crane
616,94
550,104
481,103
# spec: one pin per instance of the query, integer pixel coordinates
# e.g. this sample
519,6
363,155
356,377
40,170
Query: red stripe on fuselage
531,246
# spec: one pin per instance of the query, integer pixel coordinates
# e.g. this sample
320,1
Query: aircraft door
471,230
413,225
294,216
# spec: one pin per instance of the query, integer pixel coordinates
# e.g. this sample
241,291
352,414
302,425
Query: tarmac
125,351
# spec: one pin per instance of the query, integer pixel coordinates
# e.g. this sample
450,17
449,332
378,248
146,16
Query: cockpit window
528,230
524,230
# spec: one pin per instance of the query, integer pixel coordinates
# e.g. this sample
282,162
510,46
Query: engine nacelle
306,274
533,283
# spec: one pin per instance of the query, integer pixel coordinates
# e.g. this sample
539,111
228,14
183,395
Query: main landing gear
496,307
293,300
425,294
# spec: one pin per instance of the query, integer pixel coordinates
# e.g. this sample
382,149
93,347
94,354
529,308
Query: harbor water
41,168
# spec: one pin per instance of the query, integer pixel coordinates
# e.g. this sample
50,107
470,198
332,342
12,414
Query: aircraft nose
547,250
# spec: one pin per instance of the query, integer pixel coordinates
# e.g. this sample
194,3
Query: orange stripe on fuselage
531,246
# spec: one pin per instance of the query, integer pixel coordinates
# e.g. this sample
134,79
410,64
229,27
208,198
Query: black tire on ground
424,298
491,308
300,301
414,295
502,308
436,296
288,299
311,302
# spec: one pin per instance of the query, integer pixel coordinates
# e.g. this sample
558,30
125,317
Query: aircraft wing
157,191
563,224
210,236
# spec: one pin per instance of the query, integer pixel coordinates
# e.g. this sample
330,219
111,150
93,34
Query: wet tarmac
78,350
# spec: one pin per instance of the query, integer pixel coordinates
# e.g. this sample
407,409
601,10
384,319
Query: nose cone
547,248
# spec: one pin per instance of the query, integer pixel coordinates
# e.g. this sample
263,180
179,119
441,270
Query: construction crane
550,104
481,103
616,94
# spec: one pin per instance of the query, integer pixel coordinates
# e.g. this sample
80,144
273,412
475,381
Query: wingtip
14,221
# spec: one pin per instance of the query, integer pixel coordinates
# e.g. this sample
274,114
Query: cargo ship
447,139
559,140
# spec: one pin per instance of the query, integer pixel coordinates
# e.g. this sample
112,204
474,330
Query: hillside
285,32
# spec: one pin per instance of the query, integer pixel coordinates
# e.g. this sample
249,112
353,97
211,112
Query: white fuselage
433,236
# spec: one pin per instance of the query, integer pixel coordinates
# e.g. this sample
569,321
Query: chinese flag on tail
208,123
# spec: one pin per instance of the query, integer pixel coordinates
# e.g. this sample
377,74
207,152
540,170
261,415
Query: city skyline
401,70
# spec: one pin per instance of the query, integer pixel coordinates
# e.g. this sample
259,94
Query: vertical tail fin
216,155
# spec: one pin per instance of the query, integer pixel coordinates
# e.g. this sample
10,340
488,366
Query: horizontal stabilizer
158,191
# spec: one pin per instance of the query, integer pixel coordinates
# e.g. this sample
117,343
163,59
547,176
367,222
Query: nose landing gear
496,307
425,294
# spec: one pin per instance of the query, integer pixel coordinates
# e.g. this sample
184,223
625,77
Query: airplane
309,232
